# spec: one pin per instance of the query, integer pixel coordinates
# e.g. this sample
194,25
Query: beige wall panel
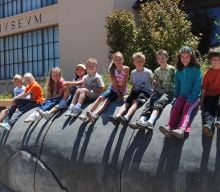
82,33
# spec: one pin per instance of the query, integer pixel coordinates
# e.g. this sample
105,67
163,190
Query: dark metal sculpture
66,155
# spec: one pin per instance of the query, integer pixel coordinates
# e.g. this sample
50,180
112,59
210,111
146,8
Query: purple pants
181,113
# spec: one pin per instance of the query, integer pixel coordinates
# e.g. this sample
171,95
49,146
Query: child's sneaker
142,123
123,120
76,112
62,104
150,125
217,124
92,117
114,119
165,129
207,130
44,114
33,117
84,118
179,133
68,112
6,126
134,125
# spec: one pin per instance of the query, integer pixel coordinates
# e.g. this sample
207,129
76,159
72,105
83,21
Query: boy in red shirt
210,101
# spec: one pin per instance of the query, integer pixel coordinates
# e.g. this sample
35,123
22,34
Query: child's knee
101,98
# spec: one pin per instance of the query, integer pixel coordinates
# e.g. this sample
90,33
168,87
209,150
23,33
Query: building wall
81,24
82,33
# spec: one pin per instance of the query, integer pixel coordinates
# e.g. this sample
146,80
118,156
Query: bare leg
66,92
154,115
76,96
132,109
97,102
3,114
102,106
122,109
82,96
54,110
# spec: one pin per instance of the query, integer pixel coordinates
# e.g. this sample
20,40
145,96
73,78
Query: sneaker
114,119
150,125
62,104
37,116
33,117
134,125
142,123
207,130
44,114
76,112
5,126
165,130
179,133
217,124
83,118
92,117
123,120
68,112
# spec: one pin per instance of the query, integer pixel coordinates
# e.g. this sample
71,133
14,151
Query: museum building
36,35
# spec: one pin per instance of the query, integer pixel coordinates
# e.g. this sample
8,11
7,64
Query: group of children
182,86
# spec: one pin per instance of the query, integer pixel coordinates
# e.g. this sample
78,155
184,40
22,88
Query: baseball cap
80,65
185,49
215,51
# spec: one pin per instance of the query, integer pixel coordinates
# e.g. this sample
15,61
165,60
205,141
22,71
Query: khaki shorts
91,95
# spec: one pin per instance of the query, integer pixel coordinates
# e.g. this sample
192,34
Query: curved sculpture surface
66,155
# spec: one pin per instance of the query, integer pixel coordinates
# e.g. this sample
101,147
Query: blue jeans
21,106
49,104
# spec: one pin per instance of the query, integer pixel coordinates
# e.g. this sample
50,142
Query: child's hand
200,105
173,101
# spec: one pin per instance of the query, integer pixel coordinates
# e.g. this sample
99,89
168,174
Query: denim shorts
110,95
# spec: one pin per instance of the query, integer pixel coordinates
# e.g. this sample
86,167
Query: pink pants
181,113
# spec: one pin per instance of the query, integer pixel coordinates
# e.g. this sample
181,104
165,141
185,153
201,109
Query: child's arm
59,94
115,85
196,90
177,86
101,85
204,87
22,95
124,85
99,90
202,97
73,83
155,80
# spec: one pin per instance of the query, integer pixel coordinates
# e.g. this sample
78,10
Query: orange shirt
211,82
35,92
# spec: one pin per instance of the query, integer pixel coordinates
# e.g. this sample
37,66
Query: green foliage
204,63
162,25
6,95
121,33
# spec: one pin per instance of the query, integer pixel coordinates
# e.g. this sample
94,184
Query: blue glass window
34,51
14,7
